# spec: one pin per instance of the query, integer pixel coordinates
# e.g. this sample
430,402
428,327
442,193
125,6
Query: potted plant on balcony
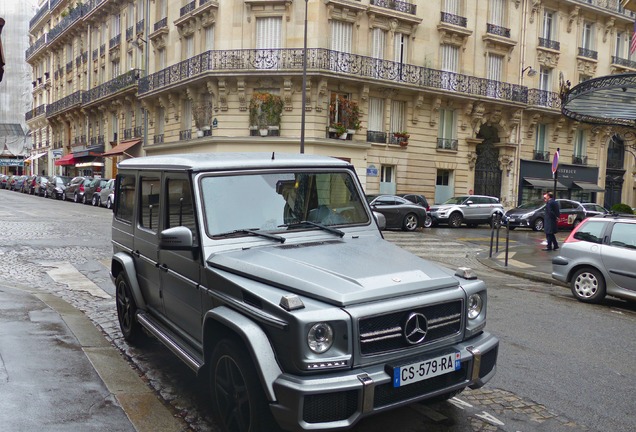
344,117
265,112
402,138
202,118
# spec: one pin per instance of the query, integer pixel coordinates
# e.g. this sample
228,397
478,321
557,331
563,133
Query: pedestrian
550,224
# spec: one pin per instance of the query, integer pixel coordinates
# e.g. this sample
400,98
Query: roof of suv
226,161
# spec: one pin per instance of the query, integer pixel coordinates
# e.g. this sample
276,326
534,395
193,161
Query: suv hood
443,206
340,272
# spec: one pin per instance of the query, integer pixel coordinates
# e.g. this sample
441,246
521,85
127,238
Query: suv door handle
163,267
136,253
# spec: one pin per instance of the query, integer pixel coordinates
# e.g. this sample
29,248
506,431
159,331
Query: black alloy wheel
455,220
126,310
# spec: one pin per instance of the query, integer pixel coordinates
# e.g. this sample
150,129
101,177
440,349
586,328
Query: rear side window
623,235
591,232
125,197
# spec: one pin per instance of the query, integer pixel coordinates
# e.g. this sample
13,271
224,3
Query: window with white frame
450,58
161,58
446,138
268,32
398,116
130,15
497,12
140,10
400,48
549,26
115,125
209,38
160,120
162,9
452,7
587,36
187,114
376,114
619,49
545,79
116,26
494,73
188,45
114,69
341,36
541,142
378,42
579,146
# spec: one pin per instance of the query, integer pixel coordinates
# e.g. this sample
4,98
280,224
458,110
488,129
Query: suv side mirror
469,202
177,238
380,219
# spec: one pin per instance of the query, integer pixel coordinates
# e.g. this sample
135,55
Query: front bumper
340,400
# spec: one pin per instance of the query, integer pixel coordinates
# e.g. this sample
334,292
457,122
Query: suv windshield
456,200
280,201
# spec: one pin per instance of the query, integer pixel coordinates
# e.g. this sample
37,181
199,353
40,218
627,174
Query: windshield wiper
314,224
252,231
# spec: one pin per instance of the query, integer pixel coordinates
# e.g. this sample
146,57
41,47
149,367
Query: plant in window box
340,130
402,138
265,111
344,112
202,116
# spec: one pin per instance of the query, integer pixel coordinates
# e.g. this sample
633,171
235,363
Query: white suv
471,210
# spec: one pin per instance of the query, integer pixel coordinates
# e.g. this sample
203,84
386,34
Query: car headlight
320,337
475,305
526,215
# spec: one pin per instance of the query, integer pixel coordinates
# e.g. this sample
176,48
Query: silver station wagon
268,276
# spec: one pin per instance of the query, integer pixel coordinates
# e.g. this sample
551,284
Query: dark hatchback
421,200
56,186
532,215
76,187
399,212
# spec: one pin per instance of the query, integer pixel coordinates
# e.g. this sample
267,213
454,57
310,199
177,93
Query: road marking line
460,403
65,273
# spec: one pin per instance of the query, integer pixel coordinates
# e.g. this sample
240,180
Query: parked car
471,210
18,182
91,192
29,184
598,258
421,200
75,189
56,186
532,215
299,322
106,196
399,212
40,185
592,209
3,181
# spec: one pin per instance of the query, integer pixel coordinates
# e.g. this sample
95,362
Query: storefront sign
12,162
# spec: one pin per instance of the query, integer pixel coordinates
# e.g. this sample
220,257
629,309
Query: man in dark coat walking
550,224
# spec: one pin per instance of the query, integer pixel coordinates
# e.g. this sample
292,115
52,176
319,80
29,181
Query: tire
76,198
455,220
576,223
511,228
410,222
428,222
109,204
46,195
588,285
238,401
84,200
127,310
538,224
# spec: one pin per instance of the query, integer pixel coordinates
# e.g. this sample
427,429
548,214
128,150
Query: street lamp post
304,97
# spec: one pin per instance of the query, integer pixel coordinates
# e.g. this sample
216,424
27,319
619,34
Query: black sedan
399,212
528,215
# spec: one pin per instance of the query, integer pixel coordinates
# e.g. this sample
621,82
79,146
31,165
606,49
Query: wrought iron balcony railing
129,33
188,8
615,163
114,41
454,19
161,24
185,134
544,98
579,160
624,62
68,20
157,139
64,104
128,133
139,27
498,30
376,137
42,41
137,132
547,43
609,5
447,144
109,88
399,6
102,50
38,15
584,52
540,155
318,59
69,67
35,112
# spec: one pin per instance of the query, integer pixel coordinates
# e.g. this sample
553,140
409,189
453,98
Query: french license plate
412,373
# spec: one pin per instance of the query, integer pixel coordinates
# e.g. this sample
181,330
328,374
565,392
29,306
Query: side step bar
166,337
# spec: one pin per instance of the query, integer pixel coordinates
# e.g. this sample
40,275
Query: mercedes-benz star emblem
415,328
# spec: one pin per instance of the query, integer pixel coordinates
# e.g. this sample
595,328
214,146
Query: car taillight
571,238
81,188
98,189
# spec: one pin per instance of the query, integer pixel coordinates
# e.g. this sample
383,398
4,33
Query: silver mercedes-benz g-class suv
267,275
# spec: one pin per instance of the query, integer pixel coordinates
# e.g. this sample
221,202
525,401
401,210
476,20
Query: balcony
35,112
455,20
38,15
613,6
185,135
376,137
398,6
447,144
161,24
69,20
129,33
498,30
623,62
541,156
286,61
139,27
69,67
69,102
138,132
579,160
111,88
114,42
128,133
588,53
550,44
188,8
544,98
41,42
157,139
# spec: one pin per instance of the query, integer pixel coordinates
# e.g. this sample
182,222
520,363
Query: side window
624,235
125,197
149,209
592,232
180,205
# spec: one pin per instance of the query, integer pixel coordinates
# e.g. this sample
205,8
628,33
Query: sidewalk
58,372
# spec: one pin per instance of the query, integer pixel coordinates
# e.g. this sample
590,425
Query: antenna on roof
272,155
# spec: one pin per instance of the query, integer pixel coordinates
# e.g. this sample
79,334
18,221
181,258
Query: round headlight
475,304
320,337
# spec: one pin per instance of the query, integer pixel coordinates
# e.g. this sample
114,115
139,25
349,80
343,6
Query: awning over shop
34,157
66,160
121,148
589,187
544,183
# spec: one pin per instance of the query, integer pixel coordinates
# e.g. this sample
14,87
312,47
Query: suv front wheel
455,220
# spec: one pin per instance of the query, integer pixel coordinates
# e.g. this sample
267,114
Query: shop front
574,182
88,162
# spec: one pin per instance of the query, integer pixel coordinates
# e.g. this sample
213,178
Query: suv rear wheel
238,402
455,220
126,310
588,285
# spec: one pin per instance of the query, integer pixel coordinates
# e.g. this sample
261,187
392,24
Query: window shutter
268,32
495,66
450,58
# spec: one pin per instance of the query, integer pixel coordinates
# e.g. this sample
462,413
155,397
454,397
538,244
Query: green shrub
621,208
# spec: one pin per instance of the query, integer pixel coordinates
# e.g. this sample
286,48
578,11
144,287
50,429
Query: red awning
121,148
66,160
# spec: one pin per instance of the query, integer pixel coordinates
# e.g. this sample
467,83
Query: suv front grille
384,333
